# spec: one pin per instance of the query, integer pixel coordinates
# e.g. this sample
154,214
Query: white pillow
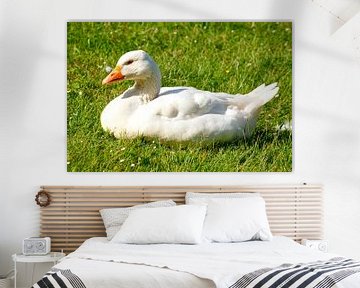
113,218
236,220
180,224
203,198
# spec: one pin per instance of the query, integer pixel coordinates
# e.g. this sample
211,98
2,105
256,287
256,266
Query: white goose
177,113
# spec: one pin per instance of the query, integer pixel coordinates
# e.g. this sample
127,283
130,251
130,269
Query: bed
292,210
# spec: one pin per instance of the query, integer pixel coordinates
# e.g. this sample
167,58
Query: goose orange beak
114,76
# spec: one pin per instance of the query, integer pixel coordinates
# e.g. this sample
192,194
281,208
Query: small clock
36,246
320,245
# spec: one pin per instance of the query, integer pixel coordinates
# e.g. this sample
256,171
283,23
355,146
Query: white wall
33,108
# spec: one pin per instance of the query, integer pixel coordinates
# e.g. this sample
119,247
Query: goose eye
129,62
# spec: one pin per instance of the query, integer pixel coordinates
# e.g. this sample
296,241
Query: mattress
99,263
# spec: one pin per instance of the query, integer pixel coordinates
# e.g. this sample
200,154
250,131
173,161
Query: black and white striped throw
57,278
320,274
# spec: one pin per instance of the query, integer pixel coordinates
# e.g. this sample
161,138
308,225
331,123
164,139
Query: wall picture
179,96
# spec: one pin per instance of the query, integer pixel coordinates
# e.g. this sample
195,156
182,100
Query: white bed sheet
100,263
102,274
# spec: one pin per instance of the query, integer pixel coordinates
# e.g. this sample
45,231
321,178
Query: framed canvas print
179,96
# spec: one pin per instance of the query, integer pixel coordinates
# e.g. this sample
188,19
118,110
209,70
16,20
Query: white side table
53,257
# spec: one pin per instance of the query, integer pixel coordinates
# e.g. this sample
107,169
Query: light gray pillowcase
203,198
113,218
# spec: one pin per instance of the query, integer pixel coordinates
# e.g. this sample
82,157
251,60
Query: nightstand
320,245
53,257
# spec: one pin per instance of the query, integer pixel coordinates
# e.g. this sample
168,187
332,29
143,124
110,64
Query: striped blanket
320,274
59,278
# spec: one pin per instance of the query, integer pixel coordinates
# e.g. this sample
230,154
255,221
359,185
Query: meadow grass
220,57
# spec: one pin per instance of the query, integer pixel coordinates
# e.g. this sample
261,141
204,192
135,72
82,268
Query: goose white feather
177,113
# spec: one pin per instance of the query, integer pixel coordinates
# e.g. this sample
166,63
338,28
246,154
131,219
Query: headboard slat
73,216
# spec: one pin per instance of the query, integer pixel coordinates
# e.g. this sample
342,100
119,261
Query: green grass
226,57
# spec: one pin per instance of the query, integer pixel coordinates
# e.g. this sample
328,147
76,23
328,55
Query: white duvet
100,263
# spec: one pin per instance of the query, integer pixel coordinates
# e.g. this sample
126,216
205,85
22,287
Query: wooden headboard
73,214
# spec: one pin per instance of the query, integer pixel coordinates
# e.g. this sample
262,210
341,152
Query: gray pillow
203,198
113,218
